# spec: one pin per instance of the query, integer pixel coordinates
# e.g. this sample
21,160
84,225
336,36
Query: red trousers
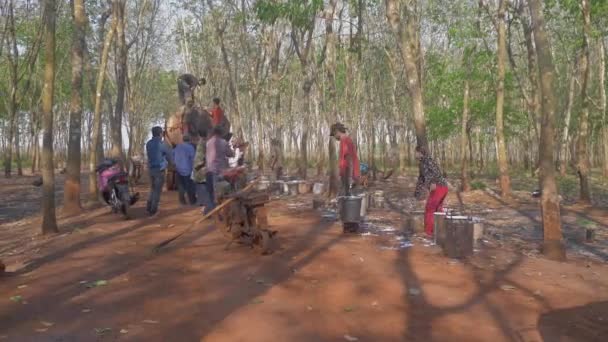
433,205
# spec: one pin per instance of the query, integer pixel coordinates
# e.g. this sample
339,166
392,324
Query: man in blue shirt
183,155
159,156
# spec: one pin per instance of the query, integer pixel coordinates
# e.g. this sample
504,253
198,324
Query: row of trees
481,82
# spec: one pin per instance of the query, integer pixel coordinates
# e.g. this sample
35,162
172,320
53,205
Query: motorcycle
114,187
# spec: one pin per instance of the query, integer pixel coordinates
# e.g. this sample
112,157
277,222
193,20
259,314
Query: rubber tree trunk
71,202
501,148
602,80
96,138
465,179
563,165
13,66
553,246
408,42
330,37
121,79
303,161
219,30
582,152
49,220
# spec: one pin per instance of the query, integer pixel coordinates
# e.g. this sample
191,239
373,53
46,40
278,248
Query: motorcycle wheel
126,205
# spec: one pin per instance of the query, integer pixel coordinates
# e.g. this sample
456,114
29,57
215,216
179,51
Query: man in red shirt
217,113
349,162
219,119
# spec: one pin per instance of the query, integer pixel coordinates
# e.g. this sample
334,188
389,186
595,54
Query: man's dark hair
335,128
216,100
422,150
157,131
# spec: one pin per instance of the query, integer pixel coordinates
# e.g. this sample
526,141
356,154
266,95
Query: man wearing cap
349,162
159,156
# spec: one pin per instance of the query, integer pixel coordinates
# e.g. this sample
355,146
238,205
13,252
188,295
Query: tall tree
408,41
582,152
72,183
465,179
553,246
96,136
501,147
220,29
13,59
119,7
563,165
49,220
330,37
19,80
602,80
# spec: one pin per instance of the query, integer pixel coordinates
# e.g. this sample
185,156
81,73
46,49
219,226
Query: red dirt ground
321,285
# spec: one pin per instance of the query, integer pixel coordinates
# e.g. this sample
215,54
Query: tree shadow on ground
423,314
581,323
595,251
62,253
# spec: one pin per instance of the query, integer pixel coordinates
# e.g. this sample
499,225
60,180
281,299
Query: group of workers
430,177
199,166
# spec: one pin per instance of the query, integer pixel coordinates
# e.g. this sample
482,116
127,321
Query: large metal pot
350,209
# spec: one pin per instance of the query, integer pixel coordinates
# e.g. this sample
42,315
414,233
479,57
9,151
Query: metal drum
318,188
293,188
378,199
350,208
458,241
439,228
303,187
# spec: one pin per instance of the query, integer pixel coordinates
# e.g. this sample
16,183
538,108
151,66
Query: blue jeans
210,179
186,185
157,177
202,196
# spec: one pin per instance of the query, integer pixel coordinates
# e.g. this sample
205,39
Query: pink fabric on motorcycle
104,177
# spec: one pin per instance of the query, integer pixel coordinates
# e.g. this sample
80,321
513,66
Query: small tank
350,208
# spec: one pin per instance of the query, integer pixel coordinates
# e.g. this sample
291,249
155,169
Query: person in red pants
430,178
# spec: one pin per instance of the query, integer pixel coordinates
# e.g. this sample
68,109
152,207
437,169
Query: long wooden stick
211,213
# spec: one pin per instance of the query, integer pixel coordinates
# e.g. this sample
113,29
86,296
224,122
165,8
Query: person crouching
431,179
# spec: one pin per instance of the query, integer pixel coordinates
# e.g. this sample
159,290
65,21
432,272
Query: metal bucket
350,209
439,227
364,204
458,241
303,187
285,187
263,185
318,188
378,198
293,188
